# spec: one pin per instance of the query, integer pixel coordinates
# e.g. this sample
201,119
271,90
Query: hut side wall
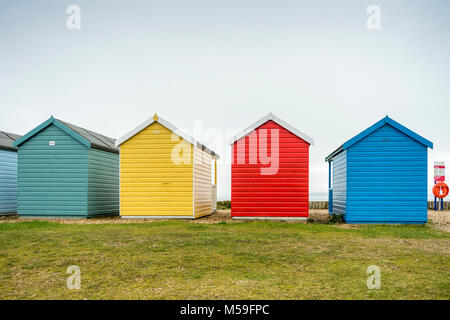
340,183
202,183
8,182
103,195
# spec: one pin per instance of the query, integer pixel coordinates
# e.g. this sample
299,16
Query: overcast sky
314,64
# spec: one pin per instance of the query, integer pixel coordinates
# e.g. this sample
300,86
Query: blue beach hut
8,173
380,176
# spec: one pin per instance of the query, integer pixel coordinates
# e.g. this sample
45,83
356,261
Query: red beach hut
270,171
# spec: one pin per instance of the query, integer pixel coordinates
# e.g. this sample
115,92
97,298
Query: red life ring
440,190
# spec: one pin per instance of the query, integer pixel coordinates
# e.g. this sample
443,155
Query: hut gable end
384,176
53,175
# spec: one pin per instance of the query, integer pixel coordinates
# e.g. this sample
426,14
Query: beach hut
165,173
380,176
8,173
67,171
270,171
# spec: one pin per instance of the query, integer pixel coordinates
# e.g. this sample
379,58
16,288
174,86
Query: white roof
274,118
169,126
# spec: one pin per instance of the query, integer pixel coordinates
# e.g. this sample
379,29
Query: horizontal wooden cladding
270,212
279,158
103,196
8,181
156,194
387,178
387,166
253,188
264,198
161,181
393,196
266,181
282,164
283,194
53,179
153,213
145,189
287,150
249,184
138,164
160,174
281,171
142,158
269,205
151,183
167,202
269,191
300,176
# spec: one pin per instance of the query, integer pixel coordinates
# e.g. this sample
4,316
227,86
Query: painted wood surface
156,174
202,183
387,178
52,175
340,183
283,194
8,182
103,196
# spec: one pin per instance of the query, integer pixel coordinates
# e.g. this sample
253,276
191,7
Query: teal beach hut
8,173
67,171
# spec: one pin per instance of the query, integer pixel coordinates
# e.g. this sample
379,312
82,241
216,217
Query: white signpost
439,176
439,171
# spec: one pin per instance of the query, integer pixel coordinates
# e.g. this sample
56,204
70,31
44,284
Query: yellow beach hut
165,173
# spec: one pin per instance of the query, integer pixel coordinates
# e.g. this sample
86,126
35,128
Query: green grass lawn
251,260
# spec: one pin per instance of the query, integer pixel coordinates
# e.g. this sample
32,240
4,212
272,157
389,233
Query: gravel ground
439,220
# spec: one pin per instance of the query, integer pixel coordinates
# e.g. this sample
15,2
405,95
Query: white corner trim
169,126
271,116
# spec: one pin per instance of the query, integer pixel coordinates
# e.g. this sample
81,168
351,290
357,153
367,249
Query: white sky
315,64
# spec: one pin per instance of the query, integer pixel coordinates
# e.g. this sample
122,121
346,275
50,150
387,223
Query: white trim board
169,126
271,116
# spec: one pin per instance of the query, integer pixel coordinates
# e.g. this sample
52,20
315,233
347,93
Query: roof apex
169,126
376,126
86,137
267,117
